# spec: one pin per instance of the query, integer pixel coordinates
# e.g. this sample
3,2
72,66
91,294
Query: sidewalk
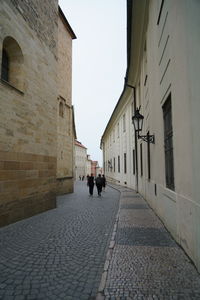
143,260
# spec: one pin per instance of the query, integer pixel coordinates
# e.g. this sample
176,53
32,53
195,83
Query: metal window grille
118,164
148,160
168,144
141,161
133,162
125,166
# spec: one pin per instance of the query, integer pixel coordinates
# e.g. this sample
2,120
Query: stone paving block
142,236
134,206
139,218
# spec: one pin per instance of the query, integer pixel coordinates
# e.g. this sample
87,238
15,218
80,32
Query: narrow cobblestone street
87,247
58,254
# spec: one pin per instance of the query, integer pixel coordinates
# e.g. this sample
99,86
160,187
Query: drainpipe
136,143
136,138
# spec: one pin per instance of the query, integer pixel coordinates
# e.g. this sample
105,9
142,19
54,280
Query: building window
118,164
114,163
141,161
148,160
124,122
125,163
133,162
12,63
61,109
168,144
5,66
118,130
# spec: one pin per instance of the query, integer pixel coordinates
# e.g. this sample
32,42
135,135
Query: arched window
12,69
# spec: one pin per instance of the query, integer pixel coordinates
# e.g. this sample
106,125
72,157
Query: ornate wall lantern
137,120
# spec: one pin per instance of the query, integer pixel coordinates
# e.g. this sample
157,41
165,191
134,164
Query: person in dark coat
103,182
90,183
99,184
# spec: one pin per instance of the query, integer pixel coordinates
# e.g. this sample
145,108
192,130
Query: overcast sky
99,65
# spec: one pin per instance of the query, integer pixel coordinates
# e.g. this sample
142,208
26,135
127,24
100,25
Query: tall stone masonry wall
42,17
28,126
65,138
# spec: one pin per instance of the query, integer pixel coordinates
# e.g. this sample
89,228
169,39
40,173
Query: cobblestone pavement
144,261
58,254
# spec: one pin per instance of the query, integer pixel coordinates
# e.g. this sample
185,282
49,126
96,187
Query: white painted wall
117,141
172,65
80,161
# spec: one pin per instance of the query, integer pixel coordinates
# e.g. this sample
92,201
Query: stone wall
26,185
42,17
65,138
28,128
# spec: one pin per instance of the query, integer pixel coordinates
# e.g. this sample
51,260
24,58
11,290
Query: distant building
80,160
162,79
99,170
88,165
95,167
84,165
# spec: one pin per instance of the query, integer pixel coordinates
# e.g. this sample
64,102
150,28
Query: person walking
90,183
103,182
99,184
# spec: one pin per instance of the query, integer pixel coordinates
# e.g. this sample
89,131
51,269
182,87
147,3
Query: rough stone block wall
42,17
27,185
28,126
64,62
65,139
64,186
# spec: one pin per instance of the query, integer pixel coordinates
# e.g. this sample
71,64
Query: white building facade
80,160
162,78
88,165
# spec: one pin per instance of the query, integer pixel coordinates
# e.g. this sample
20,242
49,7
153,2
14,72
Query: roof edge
129,26
69,28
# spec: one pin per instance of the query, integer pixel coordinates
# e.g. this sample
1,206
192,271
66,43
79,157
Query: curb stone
100,294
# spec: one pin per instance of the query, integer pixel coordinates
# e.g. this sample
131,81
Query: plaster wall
172,69
80,161
168,65
119,140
